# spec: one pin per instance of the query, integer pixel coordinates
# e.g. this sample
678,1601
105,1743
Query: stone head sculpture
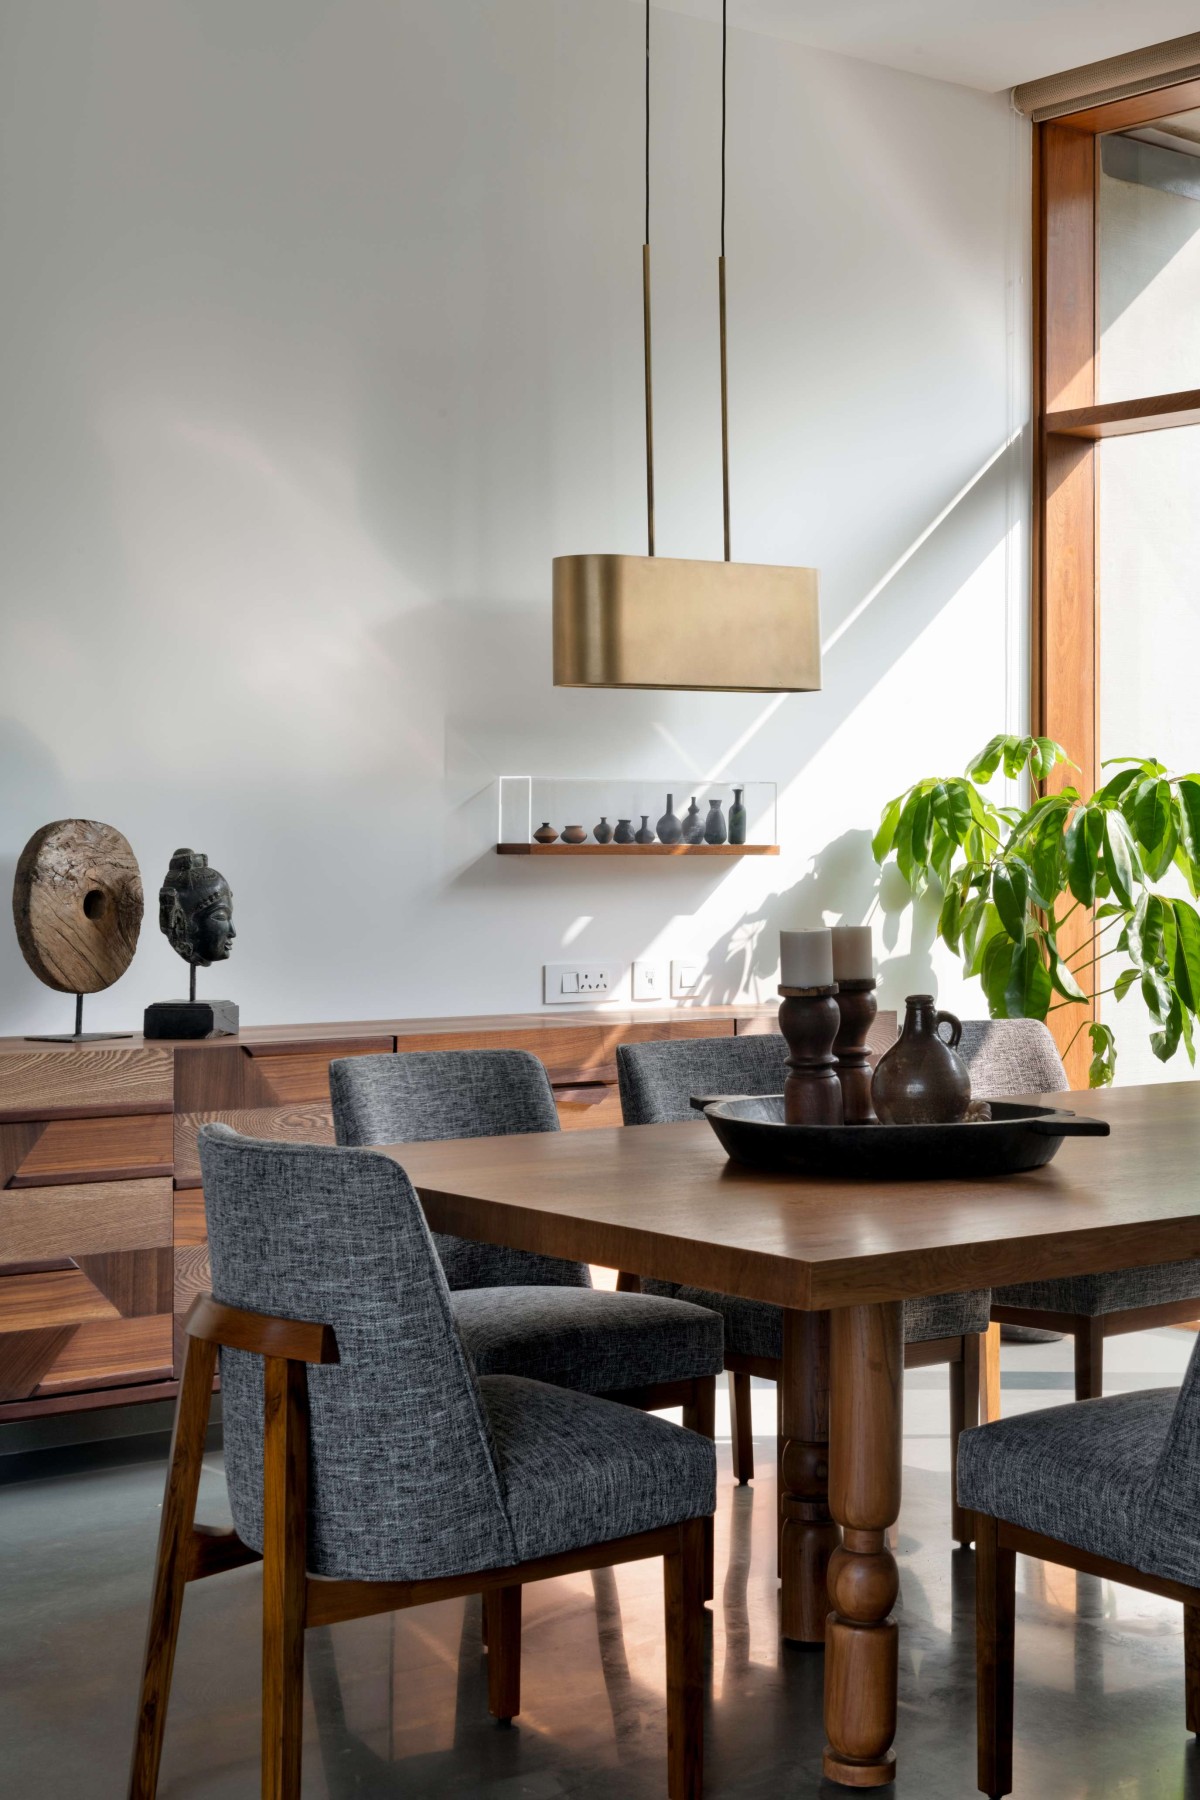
195,910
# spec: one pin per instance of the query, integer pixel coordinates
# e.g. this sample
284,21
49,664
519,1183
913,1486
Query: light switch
647,981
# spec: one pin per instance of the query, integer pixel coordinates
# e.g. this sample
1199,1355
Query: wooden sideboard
102,1231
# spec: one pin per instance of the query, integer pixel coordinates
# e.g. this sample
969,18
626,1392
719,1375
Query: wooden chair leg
989,1374
964,1414
700,1415
172,1563
683,1573
995,1607
502,1611
1191,1664
741,1420
1089,1359
285,1529
779,1475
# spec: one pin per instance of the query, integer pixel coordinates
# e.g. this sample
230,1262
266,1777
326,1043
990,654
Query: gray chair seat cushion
755,1327
577,1470
1118,1291
1085,1474
587,1339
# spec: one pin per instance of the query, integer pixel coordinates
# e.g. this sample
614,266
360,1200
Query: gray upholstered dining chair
371,1469
1107,1487
657,1081
519,1313
1007,1057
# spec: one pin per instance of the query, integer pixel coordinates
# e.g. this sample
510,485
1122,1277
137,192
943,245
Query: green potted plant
1010,879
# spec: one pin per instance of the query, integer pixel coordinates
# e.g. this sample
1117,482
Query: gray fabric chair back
417,1095
1169,1529
403,1481
1011,1056
658,1080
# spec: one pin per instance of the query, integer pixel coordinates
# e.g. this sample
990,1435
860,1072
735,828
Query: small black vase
645,835
603,831
714,825
623,834
669,829
737,818
693,825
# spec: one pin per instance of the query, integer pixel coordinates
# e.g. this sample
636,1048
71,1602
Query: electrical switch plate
648,981
686,975
575,984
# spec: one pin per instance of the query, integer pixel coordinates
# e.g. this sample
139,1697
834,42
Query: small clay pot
545,834
624,832
603,832
921,1081
574,834
645,835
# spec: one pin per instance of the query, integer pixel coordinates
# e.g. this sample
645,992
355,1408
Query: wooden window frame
1068,424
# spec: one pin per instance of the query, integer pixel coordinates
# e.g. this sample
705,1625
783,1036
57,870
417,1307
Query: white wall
322,335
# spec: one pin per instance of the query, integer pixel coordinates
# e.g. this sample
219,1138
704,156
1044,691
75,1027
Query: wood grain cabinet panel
113,1353
589,1104
84,1219
41,1082
297,1076
292,1124
573,1054
44,1299
129,1147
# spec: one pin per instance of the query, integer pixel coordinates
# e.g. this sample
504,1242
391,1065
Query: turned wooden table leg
867,1369
809,1535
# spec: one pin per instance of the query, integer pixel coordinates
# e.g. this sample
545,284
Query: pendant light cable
721,294
646,318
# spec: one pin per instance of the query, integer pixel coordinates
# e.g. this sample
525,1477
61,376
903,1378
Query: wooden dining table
840,1257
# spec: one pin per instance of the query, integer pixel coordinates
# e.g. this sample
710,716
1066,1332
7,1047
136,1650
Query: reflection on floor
397,1706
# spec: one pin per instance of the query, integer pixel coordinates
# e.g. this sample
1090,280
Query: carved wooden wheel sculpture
77,905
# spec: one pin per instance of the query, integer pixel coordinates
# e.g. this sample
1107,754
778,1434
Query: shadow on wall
842,886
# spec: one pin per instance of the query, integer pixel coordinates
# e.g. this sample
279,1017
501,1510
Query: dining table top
664,1200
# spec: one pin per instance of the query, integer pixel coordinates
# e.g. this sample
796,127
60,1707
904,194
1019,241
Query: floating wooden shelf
637,849
1122,418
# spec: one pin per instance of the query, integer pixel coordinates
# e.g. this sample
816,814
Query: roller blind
1113,79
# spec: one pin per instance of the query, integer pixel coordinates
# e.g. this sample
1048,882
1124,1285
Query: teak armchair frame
293,1600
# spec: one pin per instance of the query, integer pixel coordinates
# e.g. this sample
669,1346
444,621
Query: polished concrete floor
397,1706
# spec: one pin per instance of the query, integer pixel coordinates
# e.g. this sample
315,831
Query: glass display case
659,816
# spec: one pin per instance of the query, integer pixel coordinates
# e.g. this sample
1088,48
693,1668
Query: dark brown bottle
921,1080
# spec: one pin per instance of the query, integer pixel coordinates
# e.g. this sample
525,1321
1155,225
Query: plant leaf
1016,753
984,766
995,973
885,837
1063,978
1103,1065
1120,857
1124,982
1010,891
1084,836
1152,817
1028,991
1186,960
1165,1043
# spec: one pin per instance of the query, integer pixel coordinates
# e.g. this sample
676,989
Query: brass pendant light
666,622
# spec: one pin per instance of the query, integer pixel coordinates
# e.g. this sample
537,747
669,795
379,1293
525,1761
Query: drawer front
303,1075
46,1084
114,1353
129,1147
574,1055
588,1105
292,1124
84,1219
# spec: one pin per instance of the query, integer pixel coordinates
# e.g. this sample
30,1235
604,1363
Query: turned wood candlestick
809,1019
857,1007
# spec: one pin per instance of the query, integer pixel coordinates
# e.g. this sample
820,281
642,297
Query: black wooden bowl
1017,1137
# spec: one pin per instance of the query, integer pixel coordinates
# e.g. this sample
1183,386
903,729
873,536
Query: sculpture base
191,1019
75,1037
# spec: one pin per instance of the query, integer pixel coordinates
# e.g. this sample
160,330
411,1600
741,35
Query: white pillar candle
806,958
853,955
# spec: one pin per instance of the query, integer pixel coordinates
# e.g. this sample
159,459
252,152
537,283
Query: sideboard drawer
84,1219
292,1076
43,1083
311,1124
588,1104
129,1147
574,1055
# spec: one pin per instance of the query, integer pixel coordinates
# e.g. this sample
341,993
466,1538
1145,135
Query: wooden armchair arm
292,1339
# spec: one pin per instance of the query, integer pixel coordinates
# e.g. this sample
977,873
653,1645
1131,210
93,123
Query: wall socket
648,981
575,984
686,976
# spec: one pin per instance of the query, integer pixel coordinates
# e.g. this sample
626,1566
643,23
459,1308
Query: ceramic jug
921,1080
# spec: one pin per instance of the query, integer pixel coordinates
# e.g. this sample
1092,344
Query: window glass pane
1149,260
1149,581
